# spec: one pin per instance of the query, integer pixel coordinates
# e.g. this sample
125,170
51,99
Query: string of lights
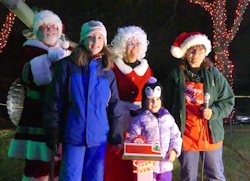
222,37
4,34
6,30
148,164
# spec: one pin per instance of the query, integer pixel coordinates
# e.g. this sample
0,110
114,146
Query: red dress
129,83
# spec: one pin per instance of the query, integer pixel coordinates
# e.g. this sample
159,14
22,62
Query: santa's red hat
186,40
65,44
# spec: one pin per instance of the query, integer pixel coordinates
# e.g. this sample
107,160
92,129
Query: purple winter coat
161,130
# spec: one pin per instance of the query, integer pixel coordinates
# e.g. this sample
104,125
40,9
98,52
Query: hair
206,64
81,56
125,34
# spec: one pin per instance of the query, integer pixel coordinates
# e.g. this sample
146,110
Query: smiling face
48,33
132,51
94,43
153,104
195,55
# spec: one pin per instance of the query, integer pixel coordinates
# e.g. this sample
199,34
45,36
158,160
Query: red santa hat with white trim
186,40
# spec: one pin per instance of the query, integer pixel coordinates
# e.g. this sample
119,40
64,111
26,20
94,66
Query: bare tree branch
237,21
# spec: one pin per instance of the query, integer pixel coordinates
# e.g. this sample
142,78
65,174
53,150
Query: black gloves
133,113
52,139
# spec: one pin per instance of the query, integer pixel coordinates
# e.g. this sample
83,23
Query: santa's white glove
67,53
58,54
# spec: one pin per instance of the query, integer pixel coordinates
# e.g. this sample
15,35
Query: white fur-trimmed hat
47,16
91,27
186,40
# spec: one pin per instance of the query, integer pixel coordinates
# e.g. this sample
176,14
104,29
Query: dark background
162,20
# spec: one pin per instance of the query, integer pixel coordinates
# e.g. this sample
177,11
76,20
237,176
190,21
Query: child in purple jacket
157,126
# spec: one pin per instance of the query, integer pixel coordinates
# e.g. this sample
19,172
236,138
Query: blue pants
213,165
166,176
80,163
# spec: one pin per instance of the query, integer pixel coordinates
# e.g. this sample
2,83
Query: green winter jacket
221,99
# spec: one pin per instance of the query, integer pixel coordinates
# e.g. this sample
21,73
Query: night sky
162,20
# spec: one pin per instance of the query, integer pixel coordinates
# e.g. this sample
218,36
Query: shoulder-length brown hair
81,56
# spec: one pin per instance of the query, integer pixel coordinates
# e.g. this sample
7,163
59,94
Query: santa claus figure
36,64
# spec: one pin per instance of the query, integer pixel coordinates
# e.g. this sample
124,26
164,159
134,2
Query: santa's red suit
130,82
35,68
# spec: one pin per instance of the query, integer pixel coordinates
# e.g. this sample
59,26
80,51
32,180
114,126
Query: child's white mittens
58,54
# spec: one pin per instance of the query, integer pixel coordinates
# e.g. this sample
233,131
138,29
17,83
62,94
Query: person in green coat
198,97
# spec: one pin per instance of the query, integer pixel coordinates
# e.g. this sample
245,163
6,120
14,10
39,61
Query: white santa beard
49,39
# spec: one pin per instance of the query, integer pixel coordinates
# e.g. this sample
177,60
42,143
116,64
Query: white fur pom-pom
176,52
65,44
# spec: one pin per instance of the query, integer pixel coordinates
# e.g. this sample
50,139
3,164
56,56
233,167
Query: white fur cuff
40,68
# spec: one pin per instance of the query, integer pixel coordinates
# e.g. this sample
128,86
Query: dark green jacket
221,99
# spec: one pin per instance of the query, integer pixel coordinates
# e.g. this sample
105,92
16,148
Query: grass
11,169
237,168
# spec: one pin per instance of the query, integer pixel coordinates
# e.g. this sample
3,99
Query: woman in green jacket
199,117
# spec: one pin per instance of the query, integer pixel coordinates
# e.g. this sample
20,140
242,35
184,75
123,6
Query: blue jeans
213,165
80,163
